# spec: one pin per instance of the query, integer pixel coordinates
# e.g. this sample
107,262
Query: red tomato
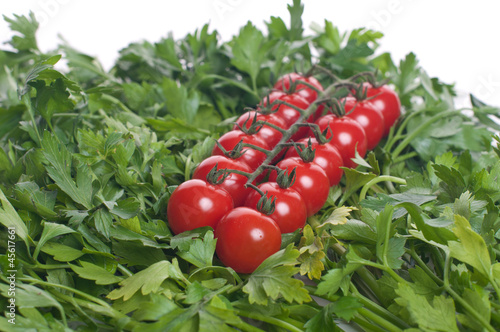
311,182
251,157
347,134
196,203
245,238
234,184
369,117
290,213
326,156
387,102
287,113
269,135
303,90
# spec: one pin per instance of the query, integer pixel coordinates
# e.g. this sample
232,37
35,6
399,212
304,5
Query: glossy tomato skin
303,90
196,203
245,238
386,100
234,184
288,114
251,157
347,135
326,156
268,134
290,209
311,182
369,117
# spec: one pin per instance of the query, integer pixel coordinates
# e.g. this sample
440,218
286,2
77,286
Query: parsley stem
377,309
480,319
271,320
388,326
423,266
31,113
242,86
411,136
376,180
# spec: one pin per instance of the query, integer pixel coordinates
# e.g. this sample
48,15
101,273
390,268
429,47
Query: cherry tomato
311,182
268,134
326,156
196,203
303,90
287,113
387,102
251,157
290,209
234,183
245,238
347,134
369,117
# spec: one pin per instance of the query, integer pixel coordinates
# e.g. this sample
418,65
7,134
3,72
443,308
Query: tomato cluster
250,202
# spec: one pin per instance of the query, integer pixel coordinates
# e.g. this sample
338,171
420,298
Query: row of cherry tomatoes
248,226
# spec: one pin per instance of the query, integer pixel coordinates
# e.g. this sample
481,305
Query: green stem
271,125
126,272
405,157
268,319
388,326
376,180
242,86
367,325
304,114
27,102
255,147
411,136
73,290
187,168
480,319
424,266
116,102
377,309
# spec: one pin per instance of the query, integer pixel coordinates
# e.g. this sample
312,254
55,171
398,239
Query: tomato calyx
338,107
255,125
284,179
306,153
235,153
215,176
266,205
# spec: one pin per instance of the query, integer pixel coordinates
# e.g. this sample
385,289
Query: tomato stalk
304,114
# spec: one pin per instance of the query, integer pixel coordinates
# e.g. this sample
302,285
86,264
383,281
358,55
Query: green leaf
201,251
148,280
33,199
59,169
27,27
438,315
61,252
477,298
322,321
470,247
180,102
249,50
50,231
295,11
330,39
94,272
274,278
346,307
10,219
126,208
103,222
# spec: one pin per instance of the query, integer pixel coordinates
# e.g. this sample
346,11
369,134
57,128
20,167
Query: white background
457,41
